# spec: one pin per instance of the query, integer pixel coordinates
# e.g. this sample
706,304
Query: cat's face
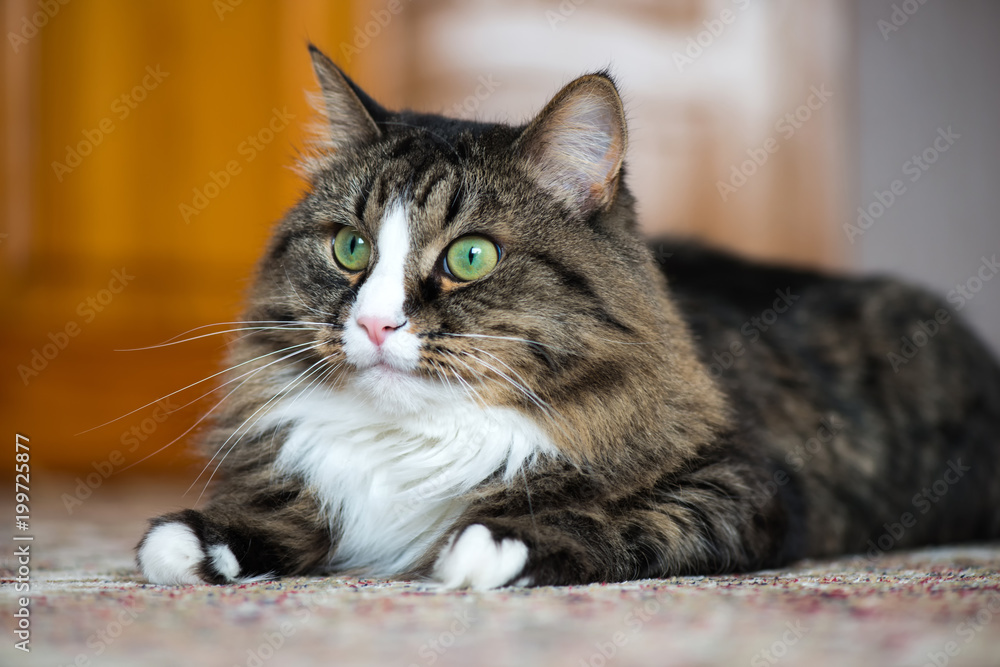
445,260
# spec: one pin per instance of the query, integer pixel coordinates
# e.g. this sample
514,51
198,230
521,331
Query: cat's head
445,259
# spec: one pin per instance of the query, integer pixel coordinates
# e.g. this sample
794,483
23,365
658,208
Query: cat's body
862,422
487,380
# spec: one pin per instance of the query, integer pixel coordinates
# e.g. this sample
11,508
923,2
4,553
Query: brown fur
664,466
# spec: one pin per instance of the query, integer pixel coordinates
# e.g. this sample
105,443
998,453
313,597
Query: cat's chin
401,391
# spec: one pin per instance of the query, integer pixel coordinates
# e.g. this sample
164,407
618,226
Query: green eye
471,258
351,250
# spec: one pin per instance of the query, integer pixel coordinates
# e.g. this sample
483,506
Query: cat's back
842,381
872,322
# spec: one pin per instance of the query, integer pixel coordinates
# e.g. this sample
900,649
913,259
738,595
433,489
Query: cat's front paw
474,559
173,554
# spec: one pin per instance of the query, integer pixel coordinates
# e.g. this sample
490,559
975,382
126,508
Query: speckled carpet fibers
88,607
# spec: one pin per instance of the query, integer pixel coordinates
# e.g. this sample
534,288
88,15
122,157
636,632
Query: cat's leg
705,522
238,537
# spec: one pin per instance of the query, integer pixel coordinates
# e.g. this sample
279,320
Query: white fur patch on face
170,555
393,482
381,297
476,560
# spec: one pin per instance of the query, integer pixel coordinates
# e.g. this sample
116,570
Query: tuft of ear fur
352,117
575,147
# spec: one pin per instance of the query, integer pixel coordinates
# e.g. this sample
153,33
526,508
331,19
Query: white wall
940,69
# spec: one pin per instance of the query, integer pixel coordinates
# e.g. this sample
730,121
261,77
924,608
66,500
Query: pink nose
378,328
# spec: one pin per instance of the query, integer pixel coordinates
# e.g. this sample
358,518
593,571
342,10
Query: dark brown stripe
282,243
362,204
578,283
457,200
424,189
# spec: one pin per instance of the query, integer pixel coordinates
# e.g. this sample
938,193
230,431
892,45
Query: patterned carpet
928,607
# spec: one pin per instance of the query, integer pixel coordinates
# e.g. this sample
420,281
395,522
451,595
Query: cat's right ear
352,116
575,147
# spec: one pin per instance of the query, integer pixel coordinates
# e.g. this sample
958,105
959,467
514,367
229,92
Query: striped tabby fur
591,410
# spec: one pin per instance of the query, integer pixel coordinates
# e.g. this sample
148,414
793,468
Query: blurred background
147,151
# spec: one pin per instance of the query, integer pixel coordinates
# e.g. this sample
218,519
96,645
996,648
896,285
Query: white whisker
511,338
194,384
214,407
306,392
548,321
246,322
217,333
278,395
458,376
544,406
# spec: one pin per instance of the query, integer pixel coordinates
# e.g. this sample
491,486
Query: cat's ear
575,146
352,116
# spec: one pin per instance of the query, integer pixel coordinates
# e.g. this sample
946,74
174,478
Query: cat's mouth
385,368
393,357
401,390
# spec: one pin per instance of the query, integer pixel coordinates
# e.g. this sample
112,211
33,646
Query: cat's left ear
352,116
575,146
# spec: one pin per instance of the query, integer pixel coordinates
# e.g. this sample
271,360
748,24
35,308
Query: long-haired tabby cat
467,365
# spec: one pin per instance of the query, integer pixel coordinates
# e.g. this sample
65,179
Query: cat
463,363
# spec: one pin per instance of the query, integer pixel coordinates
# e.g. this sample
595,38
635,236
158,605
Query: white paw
224,561
475,560
170,555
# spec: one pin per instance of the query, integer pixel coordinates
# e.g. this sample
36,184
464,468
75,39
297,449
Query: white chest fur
392,483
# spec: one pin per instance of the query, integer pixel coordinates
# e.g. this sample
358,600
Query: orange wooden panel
124,225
